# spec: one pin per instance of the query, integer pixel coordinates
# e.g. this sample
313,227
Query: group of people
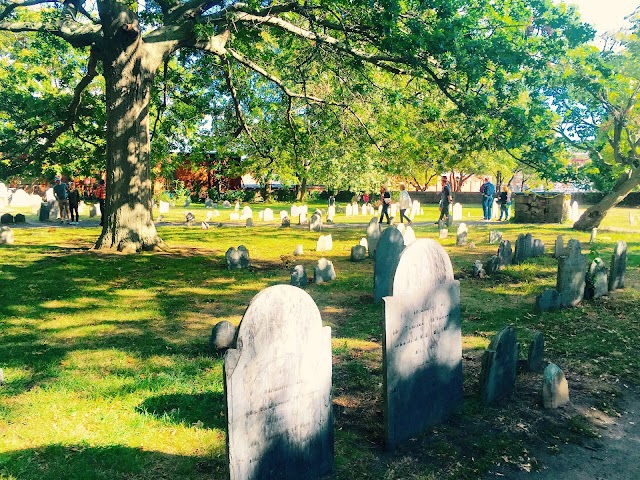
488,191
404,204
68,198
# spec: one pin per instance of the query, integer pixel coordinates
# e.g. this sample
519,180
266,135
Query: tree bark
594,215
129,72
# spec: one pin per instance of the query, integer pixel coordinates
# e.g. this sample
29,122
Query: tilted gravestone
504,253
555,389
315,224
373,236
299,276
618,266
237,259
499,365
523,249
324,271
535,357
597,280
390,247
222,336
278,390
422,344
572,270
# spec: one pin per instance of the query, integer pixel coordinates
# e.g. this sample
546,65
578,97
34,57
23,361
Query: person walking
405,203
61,192
487,190
445,199
385,200
101,195
505,202
74,201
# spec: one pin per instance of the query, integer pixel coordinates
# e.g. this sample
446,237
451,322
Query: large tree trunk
594,215
129,70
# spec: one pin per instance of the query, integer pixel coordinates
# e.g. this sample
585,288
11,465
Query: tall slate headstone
499,366
597,280
524,248
278,390
618,266
504,253
422,343
572,270
535,357
373,236
390,247
559,247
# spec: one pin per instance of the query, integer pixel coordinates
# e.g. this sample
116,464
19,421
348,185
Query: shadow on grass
75,462
203,409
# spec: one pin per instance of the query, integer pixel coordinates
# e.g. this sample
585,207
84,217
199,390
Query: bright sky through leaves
605,15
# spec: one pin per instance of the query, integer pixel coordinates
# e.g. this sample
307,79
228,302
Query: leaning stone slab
422,343
390,247
299,276
223,335
548,301
555,389
324,271
237,259
572,271
597,280
535,357
278,390
358,253
618,266
373,236
499,364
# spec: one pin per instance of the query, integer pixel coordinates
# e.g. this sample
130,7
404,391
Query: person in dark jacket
487,190
74,201
505,202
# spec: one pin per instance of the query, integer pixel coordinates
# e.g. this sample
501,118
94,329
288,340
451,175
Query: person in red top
101,195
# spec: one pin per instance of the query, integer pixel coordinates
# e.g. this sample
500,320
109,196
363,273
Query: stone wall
540,208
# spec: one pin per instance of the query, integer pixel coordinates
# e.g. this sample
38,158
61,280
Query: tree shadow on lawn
203,409
80,461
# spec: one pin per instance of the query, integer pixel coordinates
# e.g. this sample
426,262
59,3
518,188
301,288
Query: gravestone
331,213
415,208
364,209
19,218
477,269
302,218
237,259
299,276
267,215
189,218
422,343
163,208
6,219
443,233
461,236
278,390
348,211
548,301
36,200
234,215
538,248
572,270
504,253
390,247
236,206
373,236
6,236
226,204
393,210
283,214
20,199
324,271
495,237
559,247
492,265
524,248
315,224
594,234
535,356
499,365
618,266
208,203
43,216
246,213
574,215
358,253
324,243
285,222
248,222
364,243
555,389
409,236
597,280
495,210
204,225
298,250
457,212
222,337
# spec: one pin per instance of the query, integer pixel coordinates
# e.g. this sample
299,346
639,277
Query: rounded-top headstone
222,336
298,250
427,259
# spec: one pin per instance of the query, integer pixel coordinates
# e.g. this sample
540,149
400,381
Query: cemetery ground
108,373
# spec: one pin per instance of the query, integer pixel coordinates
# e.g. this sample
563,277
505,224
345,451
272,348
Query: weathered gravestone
267,215
559,247
457,212
548,301
535,357
499,365
504,253
246,213
189,218
495,237
324,243
477,269
226,204
524,248
248,222
358,253
422,344
331,213
6,219
574,214
390,247
443,233
461,236
373,236
538,248
208,203
285,222
20,218
237,259
597,280
572,270
6,236
594,234
324,271
298,250
299,276
222,336
618,266
278,390
409,236
315,224
555,389
492,265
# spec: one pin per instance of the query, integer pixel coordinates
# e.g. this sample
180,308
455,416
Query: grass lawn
108,373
